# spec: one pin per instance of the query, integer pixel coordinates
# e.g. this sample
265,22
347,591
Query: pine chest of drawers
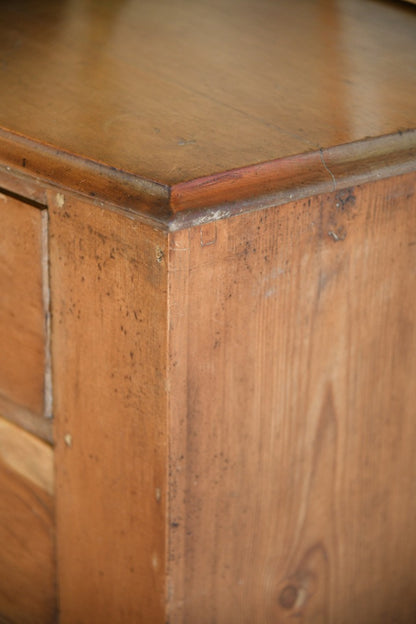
207,312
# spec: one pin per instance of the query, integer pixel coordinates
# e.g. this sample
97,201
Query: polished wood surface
108,287
22,317
216,200
292,439
27,553
173,91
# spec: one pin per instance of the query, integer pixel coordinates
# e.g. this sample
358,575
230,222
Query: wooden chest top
166,106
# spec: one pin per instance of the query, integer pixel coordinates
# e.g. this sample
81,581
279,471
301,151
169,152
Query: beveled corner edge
38,166
289,179
30,169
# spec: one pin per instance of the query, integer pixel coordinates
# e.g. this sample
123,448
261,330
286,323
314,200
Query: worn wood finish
108,287
292,407
168,92
27,558
279,181
22,318
232,238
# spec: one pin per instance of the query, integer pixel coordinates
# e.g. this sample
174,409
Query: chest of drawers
207,312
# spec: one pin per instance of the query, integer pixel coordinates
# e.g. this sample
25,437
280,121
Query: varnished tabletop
173,91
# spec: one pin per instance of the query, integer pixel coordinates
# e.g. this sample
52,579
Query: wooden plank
22,322
27,558
108,286
292,415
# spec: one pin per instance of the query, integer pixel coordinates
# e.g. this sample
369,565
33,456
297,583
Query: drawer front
27,568
22,318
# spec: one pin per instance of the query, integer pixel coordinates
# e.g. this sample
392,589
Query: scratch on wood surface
339,235
182,141
208,234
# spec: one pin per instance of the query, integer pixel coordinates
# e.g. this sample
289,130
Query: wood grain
279,181
108,284
27,456
292,412
22,318
175,91
27,557
24,418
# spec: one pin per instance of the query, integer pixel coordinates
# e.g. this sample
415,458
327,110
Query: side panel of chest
293,367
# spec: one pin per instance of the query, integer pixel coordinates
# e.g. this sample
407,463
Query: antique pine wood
293,361
22,317
27,557
207,277
173,91
108,276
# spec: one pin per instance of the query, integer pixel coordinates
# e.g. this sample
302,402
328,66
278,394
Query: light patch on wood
159,253
60,200
208,234
155,561
26,455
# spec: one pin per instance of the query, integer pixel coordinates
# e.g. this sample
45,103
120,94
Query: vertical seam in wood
48,406
168,428
172,504
48,401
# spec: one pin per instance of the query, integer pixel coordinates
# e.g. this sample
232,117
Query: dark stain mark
345,199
